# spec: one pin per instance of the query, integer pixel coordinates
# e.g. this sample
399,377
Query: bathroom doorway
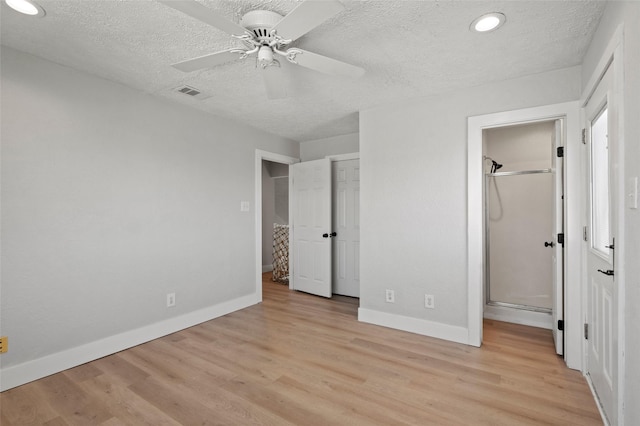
523,224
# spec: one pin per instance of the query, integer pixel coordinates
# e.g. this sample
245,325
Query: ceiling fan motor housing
260,23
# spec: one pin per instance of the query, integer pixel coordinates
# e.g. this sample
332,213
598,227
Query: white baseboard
29,371
415,325
519,316
267,268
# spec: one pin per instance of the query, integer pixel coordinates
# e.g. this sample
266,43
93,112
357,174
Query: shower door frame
487,245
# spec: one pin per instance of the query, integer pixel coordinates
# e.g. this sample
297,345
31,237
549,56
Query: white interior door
311,245
557,295
601,132
346,221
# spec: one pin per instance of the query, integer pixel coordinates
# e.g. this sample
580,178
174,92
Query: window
600,183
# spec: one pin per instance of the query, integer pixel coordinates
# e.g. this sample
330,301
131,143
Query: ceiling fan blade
206,61
205,14
274,82
325,64
306,17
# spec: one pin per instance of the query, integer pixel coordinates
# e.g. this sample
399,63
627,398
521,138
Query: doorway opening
567,114
523,223
272,206
275,220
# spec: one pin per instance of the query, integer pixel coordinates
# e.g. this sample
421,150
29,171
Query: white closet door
557,293
311,251
346,223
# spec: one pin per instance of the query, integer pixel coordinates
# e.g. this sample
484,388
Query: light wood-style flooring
298,359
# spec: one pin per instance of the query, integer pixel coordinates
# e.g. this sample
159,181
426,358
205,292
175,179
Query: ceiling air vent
191,91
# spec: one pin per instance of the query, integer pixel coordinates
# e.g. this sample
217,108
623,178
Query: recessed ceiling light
488,22
26,6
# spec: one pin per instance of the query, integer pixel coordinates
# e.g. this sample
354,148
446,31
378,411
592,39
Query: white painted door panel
557,295
311,251
346,221
601,285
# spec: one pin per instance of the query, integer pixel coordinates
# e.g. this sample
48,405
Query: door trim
344,157
569,111
276,158
612,56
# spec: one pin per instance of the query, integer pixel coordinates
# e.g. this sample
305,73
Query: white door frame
343,157
569,112
611,56
276,158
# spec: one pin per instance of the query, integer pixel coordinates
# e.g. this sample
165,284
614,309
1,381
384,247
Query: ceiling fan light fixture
488,22
265,56
26,7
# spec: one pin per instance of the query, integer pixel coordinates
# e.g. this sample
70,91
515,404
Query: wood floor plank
297,359
177,404
74,405
124,405
25,406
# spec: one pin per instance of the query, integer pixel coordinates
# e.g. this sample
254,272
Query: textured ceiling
408,49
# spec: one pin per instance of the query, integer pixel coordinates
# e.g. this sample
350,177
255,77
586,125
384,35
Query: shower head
494,164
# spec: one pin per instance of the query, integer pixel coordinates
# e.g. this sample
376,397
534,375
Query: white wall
627,13
320,148
522,147
111,199
413,198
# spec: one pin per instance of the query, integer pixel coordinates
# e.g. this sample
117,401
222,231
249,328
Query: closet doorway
270,171
275,220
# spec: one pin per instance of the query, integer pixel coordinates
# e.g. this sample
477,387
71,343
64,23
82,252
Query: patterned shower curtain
281,253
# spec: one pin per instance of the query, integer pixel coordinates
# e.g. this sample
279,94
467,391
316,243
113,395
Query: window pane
600,183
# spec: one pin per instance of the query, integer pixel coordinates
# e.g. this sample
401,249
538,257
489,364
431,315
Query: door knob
548,244
331,235
607,272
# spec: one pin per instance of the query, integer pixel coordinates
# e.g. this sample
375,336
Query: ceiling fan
267,35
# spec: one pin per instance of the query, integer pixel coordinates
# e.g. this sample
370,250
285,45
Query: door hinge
584,136
561,239
560,151
584,233
586,331
561,325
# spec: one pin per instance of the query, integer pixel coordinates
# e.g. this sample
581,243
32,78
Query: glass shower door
520,239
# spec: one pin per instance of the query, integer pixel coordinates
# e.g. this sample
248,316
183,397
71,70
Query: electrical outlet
429,301
171,300
4,344
390,296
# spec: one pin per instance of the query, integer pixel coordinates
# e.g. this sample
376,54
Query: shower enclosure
519,224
